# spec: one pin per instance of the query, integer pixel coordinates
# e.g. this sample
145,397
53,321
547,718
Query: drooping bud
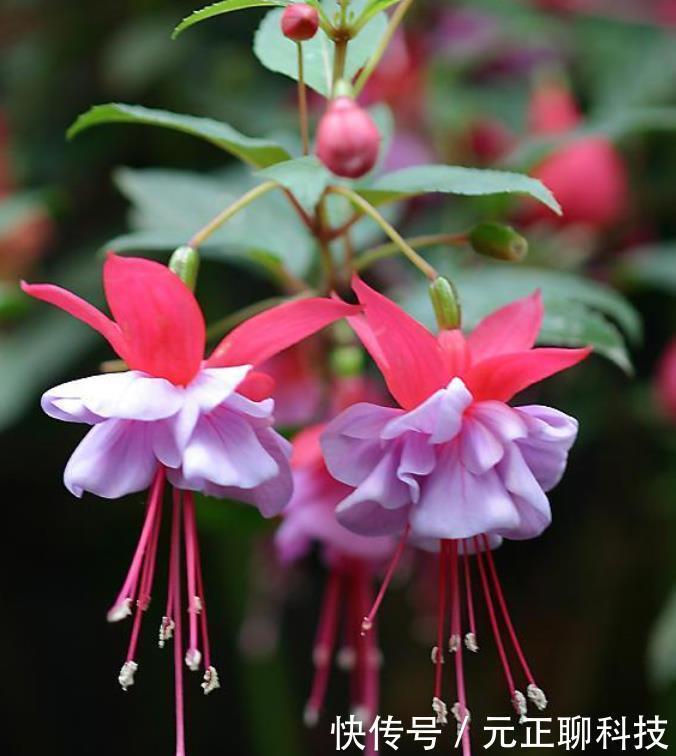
185,262
300,22
498,241
445,302
348,141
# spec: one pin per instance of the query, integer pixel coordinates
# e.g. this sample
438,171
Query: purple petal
114,459
418,458
480,450
127,396
529,498
439,417
550,436
212,386
455,503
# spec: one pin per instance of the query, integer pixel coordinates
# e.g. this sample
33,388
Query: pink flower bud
300,22
348,140
666,381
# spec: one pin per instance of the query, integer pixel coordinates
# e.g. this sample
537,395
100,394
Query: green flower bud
347,361
446,303
185,262
498,241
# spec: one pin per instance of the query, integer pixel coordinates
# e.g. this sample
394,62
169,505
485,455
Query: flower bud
446,303
185,262
348,141
498,241
300,22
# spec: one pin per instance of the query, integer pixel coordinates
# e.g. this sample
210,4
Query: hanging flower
351,561
454,467
203,426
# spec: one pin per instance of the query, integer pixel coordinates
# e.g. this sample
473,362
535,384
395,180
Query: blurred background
593,598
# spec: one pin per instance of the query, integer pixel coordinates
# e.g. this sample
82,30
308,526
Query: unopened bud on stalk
348,141
185,262
445,302
300,22
498,241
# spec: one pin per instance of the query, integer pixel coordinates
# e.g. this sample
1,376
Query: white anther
193,659
459,714
436,657
537,696
320,656
310,716
120,611
166,631
520,706
126,676
211,681
440,709
454,643
197,605
471,643
346,659
361,714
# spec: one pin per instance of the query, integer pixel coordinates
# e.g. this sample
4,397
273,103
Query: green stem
204,233
302,102
324,245
389,250
369,68
419,262
339,59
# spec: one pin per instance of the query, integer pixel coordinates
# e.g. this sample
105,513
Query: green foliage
372,8
257,152
578,312
653,266
218,9
451,179
169,206
306,177
279,54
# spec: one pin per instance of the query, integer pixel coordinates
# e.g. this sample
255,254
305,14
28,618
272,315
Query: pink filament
200,590
468,589
494,621
191,568
441,608
175,592
456,629
367,622
154,502
367,657
325,641
505,613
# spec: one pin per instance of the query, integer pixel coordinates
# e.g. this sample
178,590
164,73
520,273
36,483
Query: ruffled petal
510,329
114,459
551,434
126,396
351,442
502,420
81,310
480,450
439,416
276,329
455,503
504,376
407,354
159,317
418,459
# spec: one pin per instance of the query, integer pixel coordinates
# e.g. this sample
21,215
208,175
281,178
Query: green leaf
578,312
218,9
372,9
653,266
306,177
279,54
40,350
451,179
257,152
169,206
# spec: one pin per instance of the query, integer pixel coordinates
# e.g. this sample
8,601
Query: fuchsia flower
351,560
601,199
454,467
205,426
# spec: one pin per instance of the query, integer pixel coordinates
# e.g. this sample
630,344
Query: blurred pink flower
665,383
